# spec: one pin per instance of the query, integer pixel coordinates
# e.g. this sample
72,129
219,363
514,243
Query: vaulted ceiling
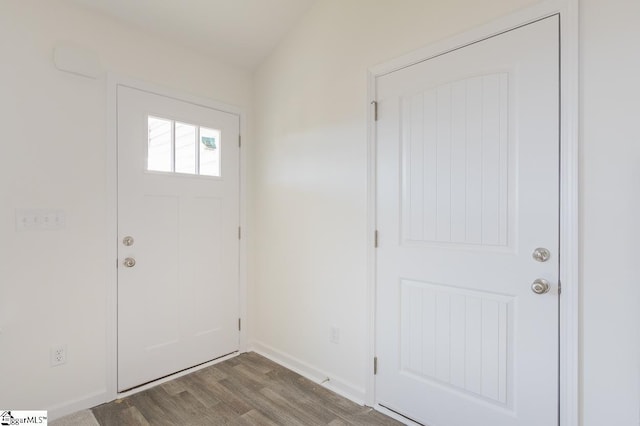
240,32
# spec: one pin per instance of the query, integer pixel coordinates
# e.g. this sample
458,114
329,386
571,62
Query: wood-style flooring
246,390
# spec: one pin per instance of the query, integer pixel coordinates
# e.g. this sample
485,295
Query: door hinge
375,239
239,324
239,233
559,287
375,365
239,141
375,110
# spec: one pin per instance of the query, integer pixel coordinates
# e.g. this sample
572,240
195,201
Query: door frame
569,356
113,82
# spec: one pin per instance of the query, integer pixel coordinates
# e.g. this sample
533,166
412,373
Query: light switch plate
39,219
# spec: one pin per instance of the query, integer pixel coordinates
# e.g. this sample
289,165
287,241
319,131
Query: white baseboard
97,398
78,404
335,384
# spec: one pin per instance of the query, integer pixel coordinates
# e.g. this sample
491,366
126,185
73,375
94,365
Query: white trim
569,392
514,20
245,233
113,81
569,216
110,238
99,397
119,80
72,406
371,250
329,381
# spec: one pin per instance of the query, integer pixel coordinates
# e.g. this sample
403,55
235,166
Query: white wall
610,211
309,250
53,156
309,258
308,187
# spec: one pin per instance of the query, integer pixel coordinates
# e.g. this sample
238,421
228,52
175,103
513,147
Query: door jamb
113,81
569,359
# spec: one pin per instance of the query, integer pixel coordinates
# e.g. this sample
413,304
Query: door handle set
541,286
129,262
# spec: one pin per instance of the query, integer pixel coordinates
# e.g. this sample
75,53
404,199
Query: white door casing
467,187
179,305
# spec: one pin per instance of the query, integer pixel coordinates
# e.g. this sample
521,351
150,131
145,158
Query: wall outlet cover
58,355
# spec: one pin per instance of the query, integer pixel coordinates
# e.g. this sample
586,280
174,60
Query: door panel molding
568,11
115,80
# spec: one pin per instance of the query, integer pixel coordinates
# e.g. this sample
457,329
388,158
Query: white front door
467,190
178,248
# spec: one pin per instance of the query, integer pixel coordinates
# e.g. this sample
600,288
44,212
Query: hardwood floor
246,390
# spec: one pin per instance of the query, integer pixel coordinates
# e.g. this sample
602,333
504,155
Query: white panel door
467,189
178,200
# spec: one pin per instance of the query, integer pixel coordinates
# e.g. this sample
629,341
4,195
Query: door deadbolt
127,241
541,254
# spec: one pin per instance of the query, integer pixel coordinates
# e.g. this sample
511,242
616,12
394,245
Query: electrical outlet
335,334
58,355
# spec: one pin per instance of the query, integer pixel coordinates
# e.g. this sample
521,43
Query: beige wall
308,265
53,156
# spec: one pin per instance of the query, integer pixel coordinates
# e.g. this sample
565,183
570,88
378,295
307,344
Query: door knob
129,262
540,286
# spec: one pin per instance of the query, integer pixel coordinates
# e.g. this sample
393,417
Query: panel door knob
540,286
127,241
129,262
